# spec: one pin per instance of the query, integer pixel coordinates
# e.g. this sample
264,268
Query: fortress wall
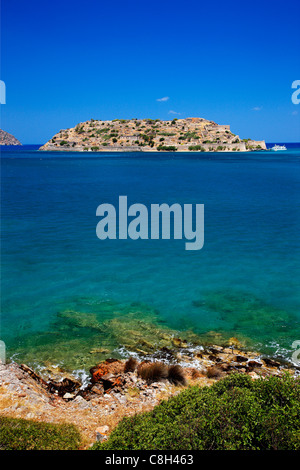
255,143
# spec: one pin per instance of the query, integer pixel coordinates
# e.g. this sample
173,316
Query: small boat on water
278,147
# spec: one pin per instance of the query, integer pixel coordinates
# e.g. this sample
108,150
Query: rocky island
182,135
8,139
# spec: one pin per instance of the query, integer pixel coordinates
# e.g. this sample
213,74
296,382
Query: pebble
68,396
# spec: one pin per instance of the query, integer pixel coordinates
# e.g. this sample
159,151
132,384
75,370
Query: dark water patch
245,314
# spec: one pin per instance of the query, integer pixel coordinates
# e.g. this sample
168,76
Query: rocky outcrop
8,139
148,135
119,388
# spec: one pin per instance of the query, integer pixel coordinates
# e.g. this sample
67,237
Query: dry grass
153,372
196,374
214,372
176,375
130,365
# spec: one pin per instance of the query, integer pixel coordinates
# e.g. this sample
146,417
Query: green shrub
79,129
236,413
102,131
20,434
166,148
195,148
189,135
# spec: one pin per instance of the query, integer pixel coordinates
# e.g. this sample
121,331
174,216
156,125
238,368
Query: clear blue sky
230,61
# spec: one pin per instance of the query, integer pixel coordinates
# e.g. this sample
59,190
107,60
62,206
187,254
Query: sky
232,62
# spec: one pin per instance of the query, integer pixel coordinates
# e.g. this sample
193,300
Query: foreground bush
235,413
20,434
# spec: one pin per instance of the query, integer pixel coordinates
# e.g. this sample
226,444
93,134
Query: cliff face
8,139
191,134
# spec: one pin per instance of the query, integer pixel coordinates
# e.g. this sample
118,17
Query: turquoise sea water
65,292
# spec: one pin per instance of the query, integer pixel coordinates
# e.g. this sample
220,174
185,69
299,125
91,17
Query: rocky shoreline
119,388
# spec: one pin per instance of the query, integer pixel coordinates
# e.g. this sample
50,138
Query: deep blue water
245,281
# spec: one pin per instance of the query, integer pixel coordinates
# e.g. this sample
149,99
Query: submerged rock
246,311
179,343
80,319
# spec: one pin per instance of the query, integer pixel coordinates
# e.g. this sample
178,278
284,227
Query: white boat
278,147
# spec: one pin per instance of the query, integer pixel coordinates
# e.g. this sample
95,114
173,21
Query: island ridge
182,135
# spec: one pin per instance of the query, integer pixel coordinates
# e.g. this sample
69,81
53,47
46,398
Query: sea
70,300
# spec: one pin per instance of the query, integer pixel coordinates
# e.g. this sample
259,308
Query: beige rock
68,396
101,433
103,429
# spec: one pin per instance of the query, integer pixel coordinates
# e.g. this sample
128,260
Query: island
8,139
148,135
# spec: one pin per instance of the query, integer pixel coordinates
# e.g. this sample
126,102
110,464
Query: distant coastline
148,135
8,139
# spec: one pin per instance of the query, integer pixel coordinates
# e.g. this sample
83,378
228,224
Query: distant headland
8,139
148,135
